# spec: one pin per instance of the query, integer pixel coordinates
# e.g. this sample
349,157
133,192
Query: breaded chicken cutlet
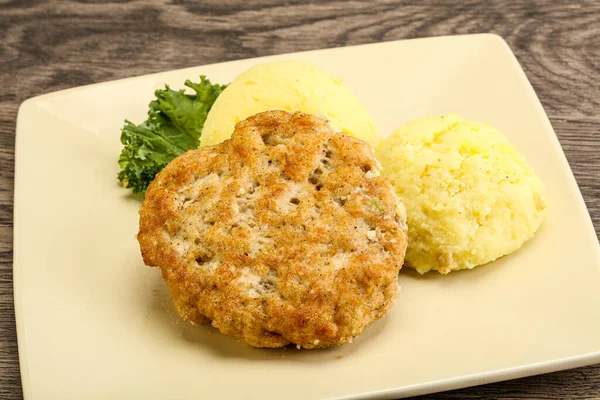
283,234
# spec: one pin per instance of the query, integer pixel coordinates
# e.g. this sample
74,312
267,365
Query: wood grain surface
47,46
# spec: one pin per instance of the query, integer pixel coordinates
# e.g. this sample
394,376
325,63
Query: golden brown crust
283,234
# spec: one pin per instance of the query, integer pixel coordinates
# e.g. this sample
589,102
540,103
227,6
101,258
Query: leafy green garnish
174,125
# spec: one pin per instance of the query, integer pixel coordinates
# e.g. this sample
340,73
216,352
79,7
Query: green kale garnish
174,125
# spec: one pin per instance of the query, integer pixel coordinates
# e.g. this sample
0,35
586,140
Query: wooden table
48,46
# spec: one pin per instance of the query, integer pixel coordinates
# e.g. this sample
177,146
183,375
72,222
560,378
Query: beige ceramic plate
95,323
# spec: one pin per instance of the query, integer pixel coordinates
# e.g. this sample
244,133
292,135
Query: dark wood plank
48,46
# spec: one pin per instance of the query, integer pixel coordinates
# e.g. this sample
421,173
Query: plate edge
265,57
478,379
24,371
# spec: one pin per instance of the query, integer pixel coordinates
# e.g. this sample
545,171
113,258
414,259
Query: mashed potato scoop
289,86
470,196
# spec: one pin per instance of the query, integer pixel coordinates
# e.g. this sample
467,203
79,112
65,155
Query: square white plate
95,323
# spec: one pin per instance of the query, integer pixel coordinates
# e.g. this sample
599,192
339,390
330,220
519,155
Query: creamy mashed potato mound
288,86
470,196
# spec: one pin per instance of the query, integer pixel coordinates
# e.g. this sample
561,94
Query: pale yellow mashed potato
470,196
289,86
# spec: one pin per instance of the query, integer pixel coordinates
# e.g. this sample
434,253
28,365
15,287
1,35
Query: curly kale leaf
174,125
